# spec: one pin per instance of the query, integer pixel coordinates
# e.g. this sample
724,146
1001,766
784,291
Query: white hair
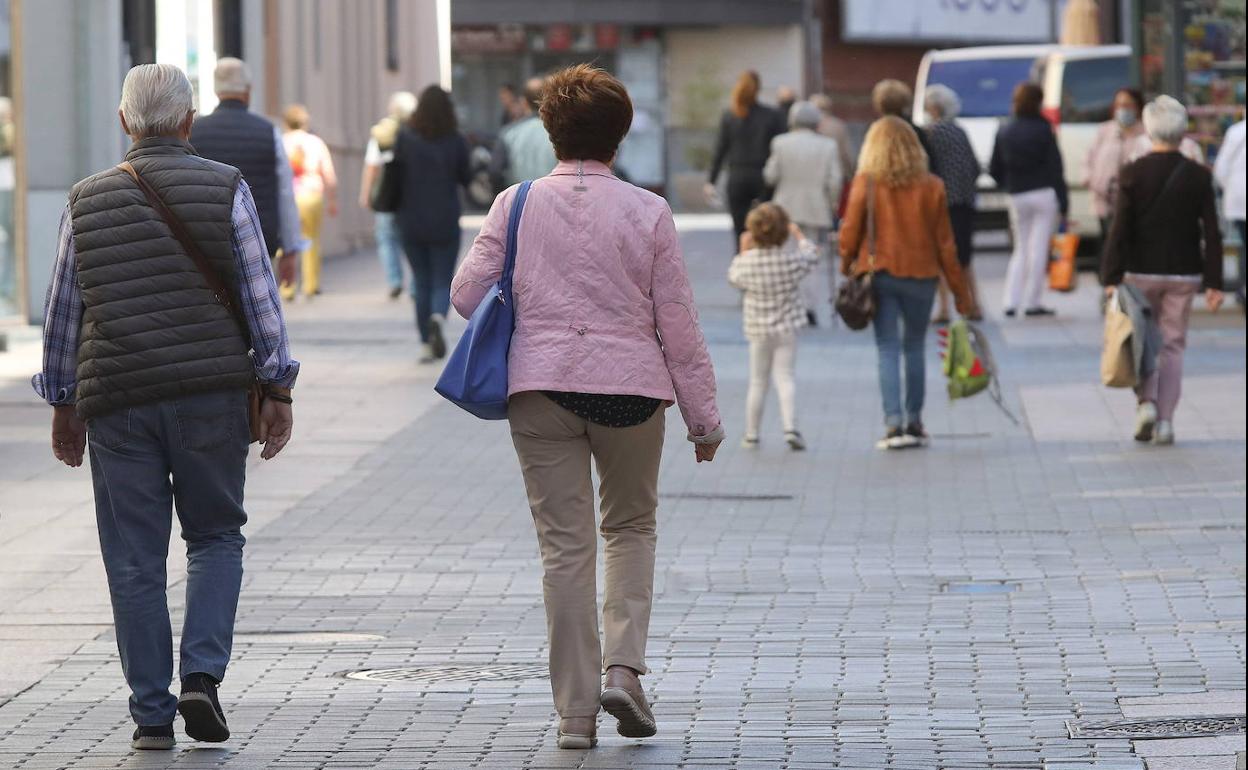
1165,120
943,101
804,115
402,105
155,99
231,76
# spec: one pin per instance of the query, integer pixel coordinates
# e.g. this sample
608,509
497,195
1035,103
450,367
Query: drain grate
495,672
1151,729
743,497
979,587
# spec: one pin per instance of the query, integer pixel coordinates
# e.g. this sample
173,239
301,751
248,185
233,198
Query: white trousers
1033,217
812,285
772,358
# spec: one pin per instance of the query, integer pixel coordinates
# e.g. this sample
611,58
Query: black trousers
745,188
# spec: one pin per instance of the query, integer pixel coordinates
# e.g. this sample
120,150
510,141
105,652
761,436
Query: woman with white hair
804,167
379,152
1165,243
955,163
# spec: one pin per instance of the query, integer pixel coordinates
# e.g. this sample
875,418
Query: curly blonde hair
891,153
768,224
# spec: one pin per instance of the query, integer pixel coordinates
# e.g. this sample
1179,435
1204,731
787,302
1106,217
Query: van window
985,86
1088,87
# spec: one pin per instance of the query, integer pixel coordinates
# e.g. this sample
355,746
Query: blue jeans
908,302
433,268
389,249
191,453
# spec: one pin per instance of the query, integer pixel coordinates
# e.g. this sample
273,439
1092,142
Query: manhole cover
749,498
497,672
978,587
1149,729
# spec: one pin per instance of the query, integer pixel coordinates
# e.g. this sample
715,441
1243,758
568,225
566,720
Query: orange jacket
913,237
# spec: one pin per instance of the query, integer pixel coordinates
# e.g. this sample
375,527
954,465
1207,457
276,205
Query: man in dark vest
148,370
237,137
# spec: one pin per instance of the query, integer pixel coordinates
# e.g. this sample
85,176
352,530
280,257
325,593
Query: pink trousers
1171,300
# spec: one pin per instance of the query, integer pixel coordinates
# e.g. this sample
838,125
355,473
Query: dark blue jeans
433,267
191,453
903,308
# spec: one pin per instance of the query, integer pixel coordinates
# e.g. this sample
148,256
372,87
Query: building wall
331,57
851,70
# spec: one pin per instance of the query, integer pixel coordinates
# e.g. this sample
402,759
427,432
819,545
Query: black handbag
384,197
855,299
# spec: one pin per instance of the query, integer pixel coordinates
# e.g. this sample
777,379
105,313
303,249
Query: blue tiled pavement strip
947,609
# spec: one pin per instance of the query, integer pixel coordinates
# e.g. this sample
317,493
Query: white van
1079,85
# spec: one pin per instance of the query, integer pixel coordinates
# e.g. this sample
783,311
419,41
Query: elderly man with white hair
955,163
164,353
805,169
1165,245
233,135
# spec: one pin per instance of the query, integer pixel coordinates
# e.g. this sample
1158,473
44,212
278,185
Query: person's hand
711,193
705,453
69,436
746,243
276,422
332,207
286,267
1109,291
1213,299
363,201
796,233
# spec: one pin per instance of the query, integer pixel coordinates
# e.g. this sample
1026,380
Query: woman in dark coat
433,156
745,134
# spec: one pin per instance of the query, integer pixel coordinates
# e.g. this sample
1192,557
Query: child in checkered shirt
774,259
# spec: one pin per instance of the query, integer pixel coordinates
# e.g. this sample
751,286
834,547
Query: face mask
1125,117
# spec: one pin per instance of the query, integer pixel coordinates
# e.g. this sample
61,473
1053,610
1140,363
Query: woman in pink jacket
606,338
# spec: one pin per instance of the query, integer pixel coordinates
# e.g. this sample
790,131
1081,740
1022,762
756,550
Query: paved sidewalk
843,608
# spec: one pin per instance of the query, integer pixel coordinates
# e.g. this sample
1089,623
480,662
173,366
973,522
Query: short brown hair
586,112
892,97
1028,99
296,117
768,225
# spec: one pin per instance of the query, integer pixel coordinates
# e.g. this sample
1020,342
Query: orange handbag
1062,272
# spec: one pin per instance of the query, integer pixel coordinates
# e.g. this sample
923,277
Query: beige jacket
805,169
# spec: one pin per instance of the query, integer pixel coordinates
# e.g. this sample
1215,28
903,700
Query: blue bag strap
513,227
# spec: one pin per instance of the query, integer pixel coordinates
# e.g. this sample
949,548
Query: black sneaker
1038,312
1010,312
812,320
437,342
153,738
201,710
395,291
795,441
915,431
896,438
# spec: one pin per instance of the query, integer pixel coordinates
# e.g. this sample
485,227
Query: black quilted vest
237,137
151,328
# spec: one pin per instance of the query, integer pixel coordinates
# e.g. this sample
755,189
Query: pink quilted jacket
603,303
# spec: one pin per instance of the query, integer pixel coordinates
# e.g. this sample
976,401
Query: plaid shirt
770,279
57,383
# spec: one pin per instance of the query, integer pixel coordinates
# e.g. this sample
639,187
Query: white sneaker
1145,421
426,354
1164,435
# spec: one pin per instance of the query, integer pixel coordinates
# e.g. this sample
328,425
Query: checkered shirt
770,280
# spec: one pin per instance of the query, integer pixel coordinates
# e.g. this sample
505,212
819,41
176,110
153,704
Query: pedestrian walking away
432,157
233,135
956,165
894,98
1027,163
1165,242
770,277
316,193
1228,169
744,143
150,379
379,152
805,169
606,337
897,226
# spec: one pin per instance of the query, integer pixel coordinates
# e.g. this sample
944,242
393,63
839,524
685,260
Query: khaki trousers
555,448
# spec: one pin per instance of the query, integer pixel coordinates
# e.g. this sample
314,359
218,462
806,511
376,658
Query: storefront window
9,305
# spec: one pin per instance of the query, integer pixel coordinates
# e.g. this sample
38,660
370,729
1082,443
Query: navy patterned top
955,162
609,411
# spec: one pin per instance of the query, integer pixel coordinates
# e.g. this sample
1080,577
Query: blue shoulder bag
475,377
